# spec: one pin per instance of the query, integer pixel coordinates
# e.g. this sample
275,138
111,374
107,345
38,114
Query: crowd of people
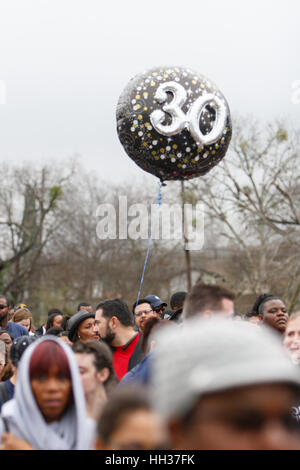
199,375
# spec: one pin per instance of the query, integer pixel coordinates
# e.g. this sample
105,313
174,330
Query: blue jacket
16,330
140,373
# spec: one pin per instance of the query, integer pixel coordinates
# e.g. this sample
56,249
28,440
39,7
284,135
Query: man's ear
103,375
114,321
261,317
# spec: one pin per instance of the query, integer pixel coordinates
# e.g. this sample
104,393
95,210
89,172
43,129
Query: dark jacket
40,331
137,355
176,316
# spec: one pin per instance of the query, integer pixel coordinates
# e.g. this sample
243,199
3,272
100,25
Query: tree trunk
186,239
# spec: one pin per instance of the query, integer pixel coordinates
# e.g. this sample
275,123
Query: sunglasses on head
159,309
17,307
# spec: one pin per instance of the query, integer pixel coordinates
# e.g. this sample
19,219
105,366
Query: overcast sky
65,63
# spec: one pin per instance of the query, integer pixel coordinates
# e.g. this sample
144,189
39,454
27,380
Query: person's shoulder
16,329
128,378
10,387
138,373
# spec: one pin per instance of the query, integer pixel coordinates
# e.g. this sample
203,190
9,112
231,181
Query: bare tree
254,193
29,200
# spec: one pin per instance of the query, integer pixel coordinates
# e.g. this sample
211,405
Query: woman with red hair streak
48,409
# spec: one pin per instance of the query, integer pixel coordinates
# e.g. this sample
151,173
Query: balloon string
159,197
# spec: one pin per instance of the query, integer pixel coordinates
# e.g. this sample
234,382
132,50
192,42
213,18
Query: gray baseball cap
211,355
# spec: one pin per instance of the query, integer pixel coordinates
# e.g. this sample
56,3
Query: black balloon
174,123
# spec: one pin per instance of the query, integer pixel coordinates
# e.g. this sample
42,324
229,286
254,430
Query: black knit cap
18,347
74,322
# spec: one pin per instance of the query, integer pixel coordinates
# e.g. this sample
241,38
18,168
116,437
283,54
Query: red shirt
122,354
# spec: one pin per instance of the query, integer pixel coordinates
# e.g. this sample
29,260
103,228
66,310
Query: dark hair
82,304
178,299
102,359
7,372
65,322
203,296
3,330
251,314
257,306
54,330
116,308
7,300
50,320
63,333
139,302
152,323
54,310
122,402
45,355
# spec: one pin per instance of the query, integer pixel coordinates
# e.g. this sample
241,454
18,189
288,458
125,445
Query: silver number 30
190,121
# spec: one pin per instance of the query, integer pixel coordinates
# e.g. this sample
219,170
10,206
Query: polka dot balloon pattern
174,123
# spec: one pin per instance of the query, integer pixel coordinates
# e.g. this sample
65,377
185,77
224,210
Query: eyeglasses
146,312
3,306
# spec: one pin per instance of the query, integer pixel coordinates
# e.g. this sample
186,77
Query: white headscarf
26,421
